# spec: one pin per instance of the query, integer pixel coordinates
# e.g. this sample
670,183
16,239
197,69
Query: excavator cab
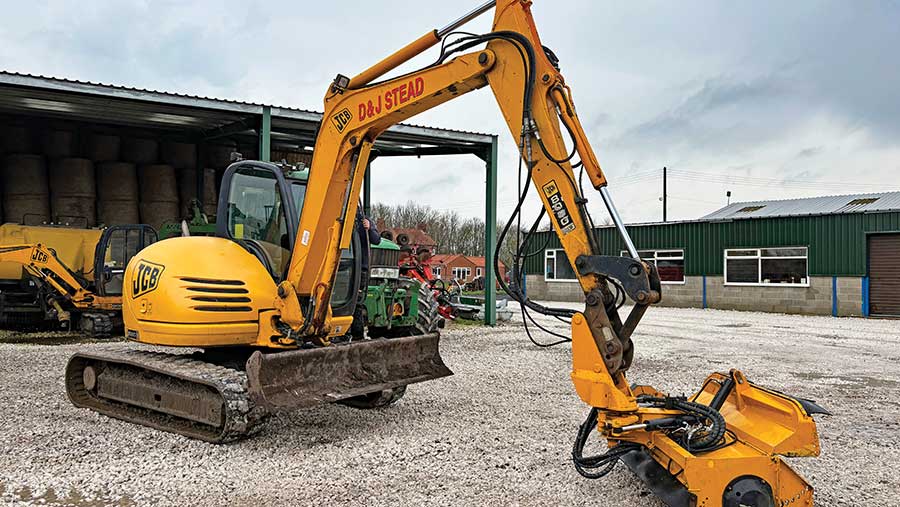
117,245
260,210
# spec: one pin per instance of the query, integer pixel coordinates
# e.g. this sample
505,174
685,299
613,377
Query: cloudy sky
766,99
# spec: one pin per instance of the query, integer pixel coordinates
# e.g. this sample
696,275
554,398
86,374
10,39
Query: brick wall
812,300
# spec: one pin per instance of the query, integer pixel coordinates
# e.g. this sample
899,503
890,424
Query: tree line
452,233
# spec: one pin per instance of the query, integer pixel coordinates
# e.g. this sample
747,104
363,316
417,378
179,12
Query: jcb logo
39,256
341,119
146,278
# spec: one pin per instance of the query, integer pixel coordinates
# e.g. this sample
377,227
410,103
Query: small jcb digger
268,297
87,296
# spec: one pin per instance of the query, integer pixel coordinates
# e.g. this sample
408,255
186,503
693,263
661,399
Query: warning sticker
558,207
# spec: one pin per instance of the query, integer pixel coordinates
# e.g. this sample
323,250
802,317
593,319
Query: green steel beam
265,134
490,234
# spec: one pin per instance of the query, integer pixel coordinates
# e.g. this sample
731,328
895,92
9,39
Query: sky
766,99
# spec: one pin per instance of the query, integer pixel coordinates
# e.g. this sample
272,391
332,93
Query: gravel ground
499,431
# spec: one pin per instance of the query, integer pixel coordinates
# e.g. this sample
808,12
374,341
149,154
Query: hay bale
180,155
73,194
58,144
140,151
104,148
25,189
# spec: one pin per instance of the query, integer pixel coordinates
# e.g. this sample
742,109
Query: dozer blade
307,377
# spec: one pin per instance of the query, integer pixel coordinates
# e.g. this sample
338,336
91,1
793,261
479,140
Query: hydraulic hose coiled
696,439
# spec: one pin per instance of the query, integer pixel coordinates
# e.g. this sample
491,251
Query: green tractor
395,306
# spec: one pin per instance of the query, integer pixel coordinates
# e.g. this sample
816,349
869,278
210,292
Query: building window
669,263
477,272
557,267
436,271
767,266
461,273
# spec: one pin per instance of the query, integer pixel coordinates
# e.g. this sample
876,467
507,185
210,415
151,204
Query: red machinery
416,251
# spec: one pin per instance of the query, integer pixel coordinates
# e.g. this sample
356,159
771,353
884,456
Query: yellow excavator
270,298
73,275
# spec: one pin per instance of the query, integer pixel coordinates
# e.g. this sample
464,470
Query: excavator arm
42,263
719,447
536,104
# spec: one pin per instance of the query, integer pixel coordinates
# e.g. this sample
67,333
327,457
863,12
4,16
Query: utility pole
665,197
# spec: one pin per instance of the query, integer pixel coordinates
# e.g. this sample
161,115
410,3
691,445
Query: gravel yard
498,432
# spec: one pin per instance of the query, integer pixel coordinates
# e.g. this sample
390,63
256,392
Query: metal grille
385,258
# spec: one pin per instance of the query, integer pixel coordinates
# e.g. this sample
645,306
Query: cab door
260,210
117,245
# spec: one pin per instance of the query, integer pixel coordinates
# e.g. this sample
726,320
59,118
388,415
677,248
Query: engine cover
195,292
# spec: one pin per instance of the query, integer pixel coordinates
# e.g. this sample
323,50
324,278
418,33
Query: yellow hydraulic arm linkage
721,446
41,263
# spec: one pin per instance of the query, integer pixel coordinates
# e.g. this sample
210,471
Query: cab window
256,213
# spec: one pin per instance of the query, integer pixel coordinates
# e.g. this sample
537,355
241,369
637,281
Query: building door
884,275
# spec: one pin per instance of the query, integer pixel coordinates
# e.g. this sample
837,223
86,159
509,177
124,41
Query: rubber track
242,416
102,325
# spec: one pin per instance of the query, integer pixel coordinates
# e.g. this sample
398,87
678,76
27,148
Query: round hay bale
187,185
180,155
104,148
156,213
140,151
159,194
25,190
187,189
118,212
58,144
157,182
117,181
210,192
16,139
73,193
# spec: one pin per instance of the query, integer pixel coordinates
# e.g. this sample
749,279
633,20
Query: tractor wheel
428,319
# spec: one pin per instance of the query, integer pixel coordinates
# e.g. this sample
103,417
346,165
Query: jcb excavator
92,296
271,288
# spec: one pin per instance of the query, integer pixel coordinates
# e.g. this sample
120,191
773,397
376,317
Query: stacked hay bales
140,151
74,175
103,148
58,144
73,193
117,193
16,139
159,194
184,158
25,189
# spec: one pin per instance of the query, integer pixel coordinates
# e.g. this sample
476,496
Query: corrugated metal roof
825,205
164,98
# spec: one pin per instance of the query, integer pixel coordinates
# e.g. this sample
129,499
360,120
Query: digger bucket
307,377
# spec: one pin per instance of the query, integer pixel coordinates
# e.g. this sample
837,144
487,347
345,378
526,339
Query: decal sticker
304,239
39,256
145,278
558,207
395,97
341,119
